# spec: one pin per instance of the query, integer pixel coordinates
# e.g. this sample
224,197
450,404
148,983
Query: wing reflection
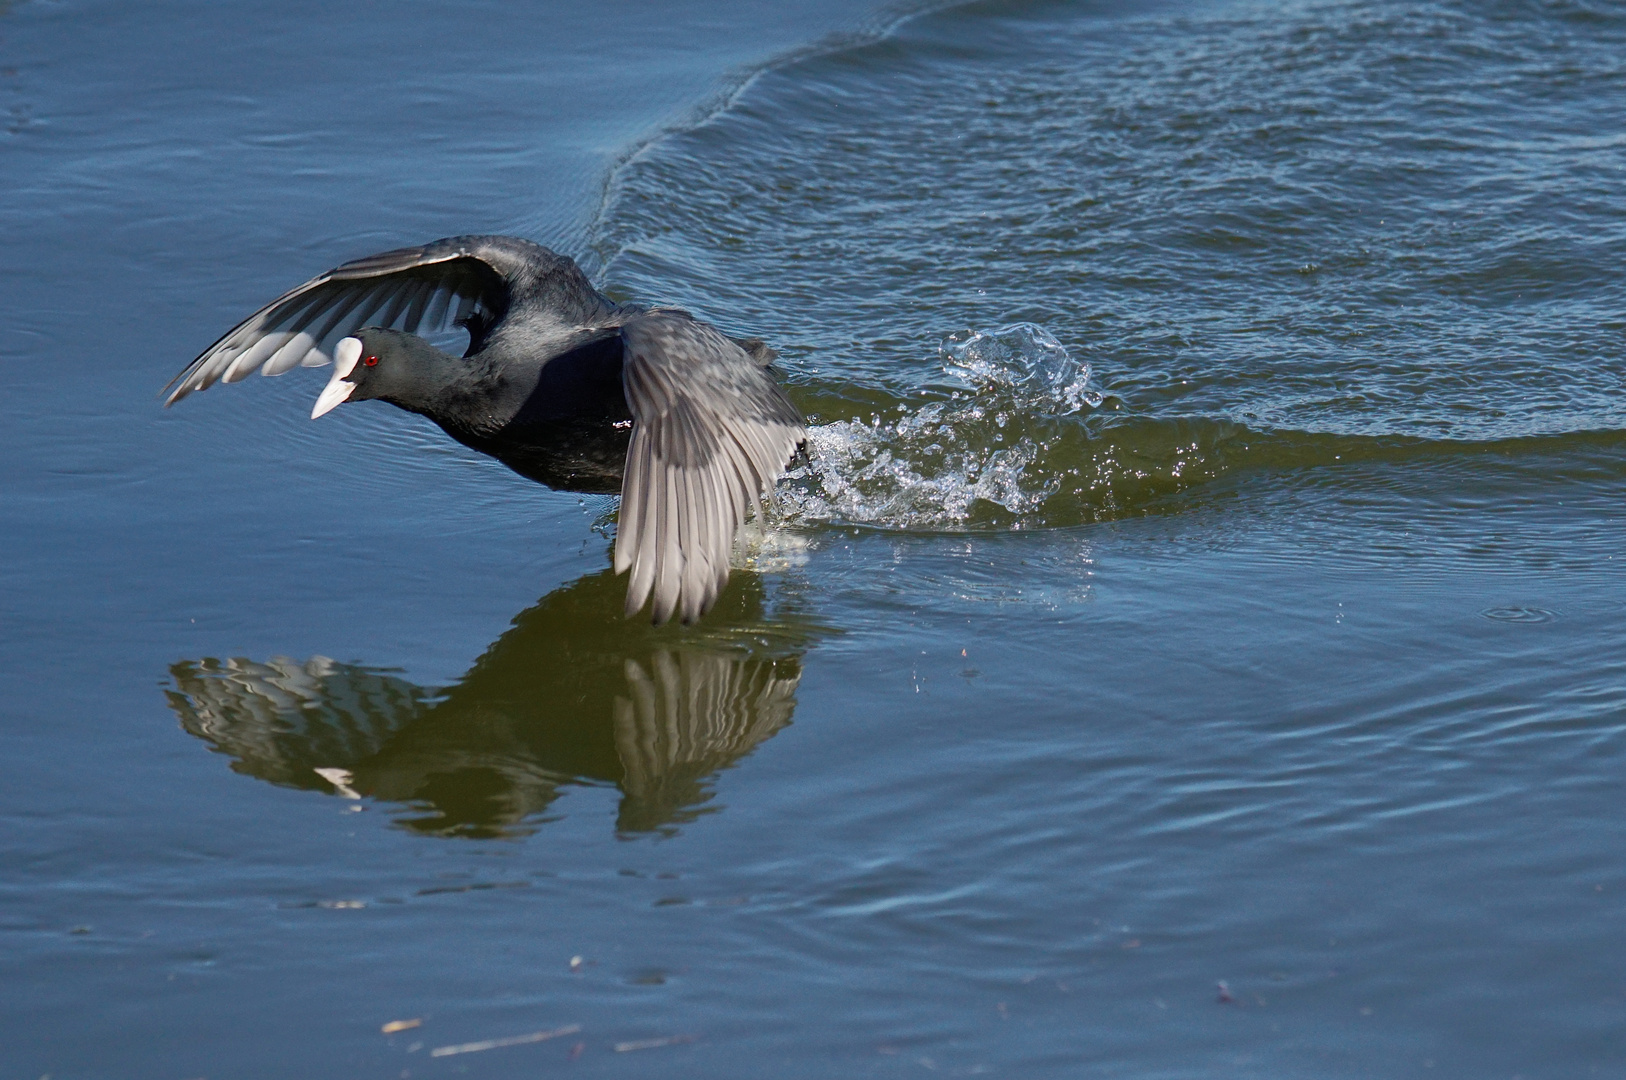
571,694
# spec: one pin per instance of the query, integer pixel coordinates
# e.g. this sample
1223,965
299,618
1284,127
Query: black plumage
559,383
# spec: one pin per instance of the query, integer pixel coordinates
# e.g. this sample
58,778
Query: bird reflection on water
571,694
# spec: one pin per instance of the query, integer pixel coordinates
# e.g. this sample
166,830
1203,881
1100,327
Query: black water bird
559,383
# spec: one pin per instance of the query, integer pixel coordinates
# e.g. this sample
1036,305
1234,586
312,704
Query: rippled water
1281,234
1192,649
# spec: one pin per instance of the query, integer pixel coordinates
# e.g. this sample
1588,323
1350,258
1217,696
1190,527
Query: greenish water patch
572,694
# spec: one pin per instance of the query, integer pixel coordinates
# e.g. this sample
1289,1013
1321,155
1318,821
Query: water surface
1194,649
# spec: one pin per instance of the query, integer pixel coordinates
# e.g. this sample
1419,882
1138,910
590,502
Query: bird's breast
569,455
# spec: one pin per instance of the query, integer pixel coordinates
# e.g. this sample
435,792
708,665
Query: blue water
1193,651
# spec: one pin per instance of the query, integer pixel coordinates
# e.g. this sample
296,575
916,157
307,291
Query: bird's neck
431,382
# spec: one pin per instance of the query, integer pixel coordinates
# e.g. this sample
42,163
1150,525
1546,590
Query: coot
559,383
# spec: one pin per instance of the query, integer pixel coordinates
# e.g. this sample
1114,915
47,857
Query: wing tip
689,604
172,393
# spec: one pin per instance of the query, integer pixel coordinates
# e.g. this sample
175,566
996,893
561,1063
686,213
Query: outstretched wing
711,433
452,282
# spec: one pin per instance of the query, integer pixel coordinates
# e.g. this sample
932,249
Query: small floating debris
400,1025
1225,997
513,1040
341,780
650,1044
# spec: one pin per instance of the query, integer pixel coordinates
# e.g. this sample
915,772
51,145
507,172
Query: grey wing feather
711,433
413,287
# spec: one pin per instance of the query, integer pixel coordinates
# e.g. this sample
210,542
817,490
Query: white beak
345,355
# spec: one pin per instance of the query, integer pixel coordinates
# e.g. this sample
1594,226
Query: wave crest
1013,436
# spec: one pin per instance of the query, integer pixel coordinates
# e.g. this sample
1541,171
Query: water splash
1005,434
931,466
1024,361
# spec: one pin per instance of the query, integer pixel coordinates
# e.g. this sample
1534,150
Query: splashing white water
927,468
1024,361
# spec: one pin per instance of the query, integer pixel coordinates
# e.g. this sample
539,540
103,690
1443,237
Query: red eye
371,361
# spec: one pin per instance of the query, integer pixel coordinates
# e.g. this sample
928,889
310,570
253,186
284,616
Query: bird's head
378,363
